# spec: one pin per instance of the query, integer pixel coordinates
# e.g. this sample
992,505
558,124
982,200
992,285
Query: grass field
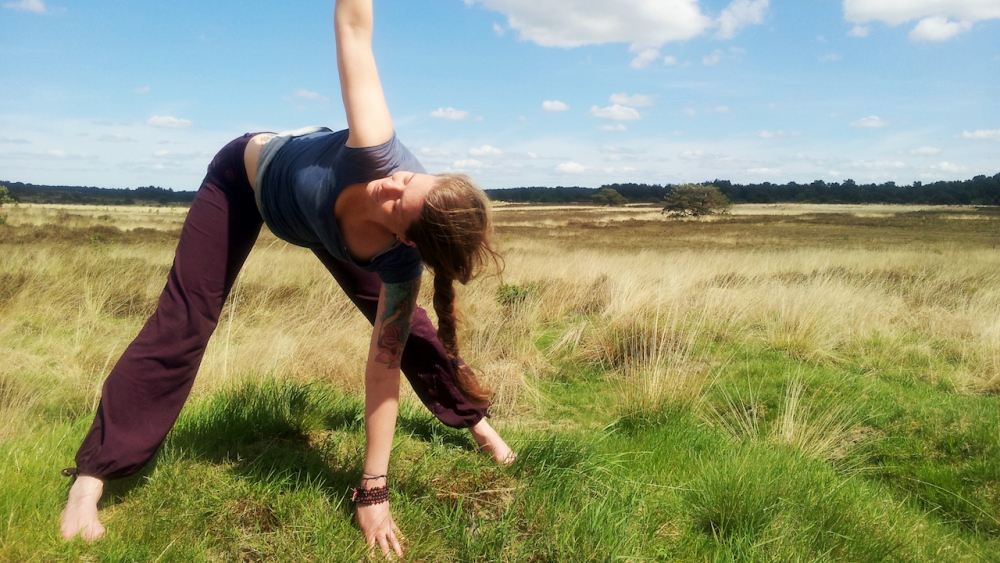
786,383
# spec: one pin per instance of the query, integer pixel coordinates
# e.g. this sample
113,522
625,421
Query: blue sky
514,92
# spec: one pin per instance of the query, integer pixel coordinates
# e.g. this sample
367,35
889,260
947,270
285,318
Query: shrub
609,196
5,195
693,200
509,295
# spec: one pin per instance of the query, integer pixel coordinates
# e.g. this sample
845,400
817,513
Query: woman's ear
403,240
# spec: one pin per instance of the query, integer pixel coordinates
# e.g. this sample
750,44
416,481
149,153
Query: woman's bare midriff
252,154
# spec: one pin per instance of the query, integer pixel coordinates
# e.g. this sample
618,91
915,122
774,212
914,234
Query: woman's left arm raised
392,326
368,117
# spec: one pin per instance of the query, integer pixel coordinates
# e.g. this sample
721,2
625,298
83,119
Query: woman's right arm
368,117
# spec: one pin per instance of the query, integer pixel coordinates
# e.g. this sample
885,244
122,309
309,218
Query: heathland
783,383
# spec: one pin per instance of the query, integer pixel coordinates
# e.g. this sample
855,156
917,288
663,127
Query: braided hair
453,236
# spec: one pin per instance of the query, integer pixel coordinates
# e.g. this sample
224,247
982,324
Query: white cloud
671,60
858,31
764,171
938,29
645,57
450,114
572,168
34,6
721,109
616,111
765,134
690,112
49,155
936,16
949,167
301,94
636,100
572,23
194,155
431,152
982,134
142,90
499,30
895,12
468,163
926,151
616,150
870,122
485,150
115,138
831,58
877,165
615,127
714,159
712,58
169,122
15,141
740,14
554,105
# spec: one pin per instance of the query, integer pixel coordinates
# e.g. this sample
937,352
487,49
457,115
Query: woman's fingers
384,544
395,543
387,542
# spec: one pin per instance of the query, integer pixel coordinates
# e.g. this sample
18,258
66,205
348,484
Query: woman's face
400,198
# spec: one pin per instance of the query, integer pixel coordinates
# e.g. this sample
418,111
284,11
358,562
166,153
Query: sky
514,92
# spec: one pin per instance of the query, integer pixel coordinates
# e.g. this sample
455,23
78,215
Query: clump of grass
820,426
822,433
739,500
768,504
246,414
654,355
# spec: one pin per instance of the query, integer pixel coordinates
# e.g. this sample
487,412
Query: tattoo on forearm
400,300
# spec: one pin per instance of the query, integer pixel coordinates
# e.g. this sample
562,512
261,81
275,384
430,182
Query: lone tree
694,200
609,196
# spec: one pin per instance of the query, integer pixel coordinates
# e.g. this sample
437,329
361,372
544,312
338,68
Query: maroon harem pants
145,391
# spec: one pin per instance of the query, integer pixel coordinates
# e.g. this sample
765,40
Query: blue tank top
299,187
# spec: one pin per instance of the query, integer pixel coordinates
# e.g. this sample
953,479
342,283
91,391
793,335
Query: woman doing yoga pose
363,204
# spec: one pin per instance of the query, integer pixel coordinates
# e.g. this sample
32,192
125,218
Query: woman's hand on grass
378,527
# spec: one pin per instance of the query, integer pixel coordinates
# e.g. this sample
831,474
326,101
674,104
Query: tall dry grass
816,304
70,305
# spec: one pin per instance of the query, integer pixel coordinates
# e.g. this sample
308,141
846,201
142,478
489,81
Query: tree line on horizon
32,193
980,190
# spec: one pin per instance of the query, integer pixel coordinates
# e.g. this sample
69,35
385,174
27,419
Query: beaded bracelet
368,497
375,495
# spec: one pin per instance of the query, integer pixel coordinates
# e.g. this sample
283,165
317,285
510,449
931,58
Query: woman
362,203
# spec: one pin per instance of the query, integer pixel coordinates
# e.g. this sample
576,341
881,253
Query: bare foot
490,441
80,514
